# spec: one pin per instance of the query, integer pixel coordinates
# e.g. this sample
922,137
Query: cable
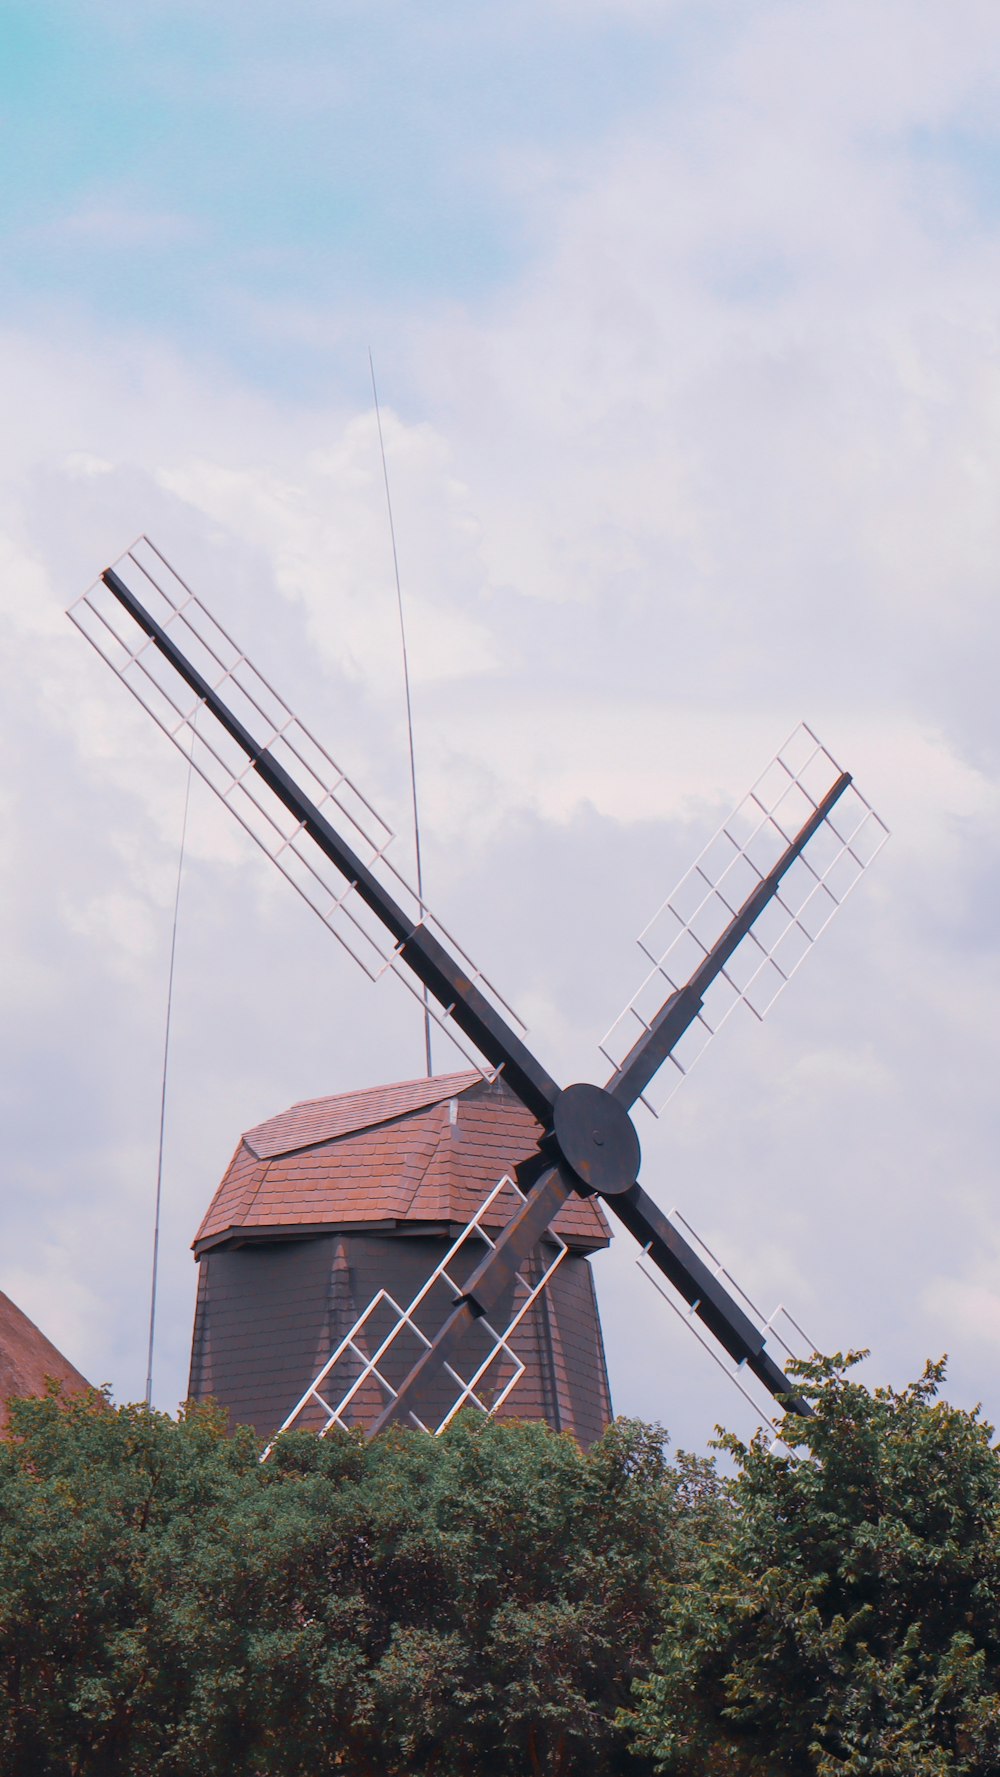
163,1094
409,706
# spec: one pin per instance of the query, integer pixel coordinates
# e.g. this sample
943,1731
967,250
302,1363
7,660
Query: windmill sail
803,785
780,1326
110,615
736,928
386,1338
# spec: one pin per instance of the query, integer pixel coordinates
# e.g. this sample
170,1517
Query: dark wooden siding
270,1313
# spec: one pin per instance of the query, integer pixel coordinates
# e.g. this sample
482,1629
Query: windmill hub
597,1139
590,1137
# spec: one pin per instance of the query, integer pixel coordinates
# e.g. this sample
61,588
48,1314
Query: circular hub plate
596,1139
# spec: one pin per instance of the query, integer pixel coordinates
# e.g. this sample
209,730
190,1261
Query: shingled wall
338,1198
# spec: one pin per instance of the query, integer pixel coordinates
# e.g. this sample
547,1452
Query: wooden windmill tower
735,929
340,1198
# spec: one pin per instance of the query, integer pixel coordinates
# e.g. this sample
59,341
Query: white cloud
965,1311
115,225
721,459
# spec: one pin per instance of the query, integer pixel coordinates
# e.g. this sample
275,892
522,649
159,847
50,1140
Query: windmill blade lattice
736,928
399,1333
224,765
779,1326
735,862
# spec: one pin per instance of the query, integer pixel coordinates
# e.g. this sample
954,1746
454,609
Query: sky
685,323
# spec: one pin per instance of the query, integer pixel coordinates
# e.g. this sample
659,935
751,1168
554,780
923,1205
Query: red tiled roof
424,1151
27,1358
323,1119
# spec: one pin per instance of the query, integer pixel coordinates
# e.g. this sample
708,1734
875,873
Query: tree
99,1512
848,1621
478,1602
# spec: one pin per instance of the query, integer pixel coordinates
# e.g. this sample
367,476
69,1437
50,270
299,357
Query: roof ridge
400,1172
313,1121
472,1074
435,1149
247,1206
244,1193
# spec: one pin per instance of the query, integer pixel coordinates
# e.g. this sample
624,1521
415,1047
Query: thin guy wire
409,706
163,1092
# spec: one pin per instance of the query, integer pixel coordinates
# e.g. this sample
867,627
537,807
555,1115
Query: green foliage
848,1622
495,1603
100,1512
478,1603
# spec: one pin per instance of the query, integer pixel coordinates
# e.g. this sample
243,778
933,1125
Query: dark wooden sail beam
588,1144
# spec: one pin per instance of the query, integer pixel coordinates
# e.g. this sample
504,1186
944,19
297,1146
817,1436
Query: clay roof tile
421,1151
27,1359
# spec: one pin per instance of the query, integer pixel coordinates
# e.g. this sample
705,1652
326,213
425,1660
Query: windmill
738,925
335,1212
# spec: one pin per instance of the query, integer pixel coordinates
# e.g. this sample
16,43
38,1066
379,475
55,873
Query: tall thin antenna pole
163,1096
409,705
